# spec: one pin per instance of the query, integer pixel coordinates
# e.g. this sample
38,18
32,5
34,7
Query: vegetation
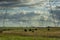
35,28
30,29
30,33
14,37
25,30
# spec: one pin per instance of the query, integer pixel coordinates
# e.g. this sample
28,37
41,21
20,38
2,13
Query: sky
29,13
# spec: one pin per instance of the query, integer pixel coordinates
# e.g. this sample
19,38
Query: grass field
12,37
39,34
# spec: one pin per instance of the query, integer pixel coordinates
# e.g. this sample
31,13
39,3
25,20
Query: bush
35,28
48,29
1,31
30,29
4,29
25,30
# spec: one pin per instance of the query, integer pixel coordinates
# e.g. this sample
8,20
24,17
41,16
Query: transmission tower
53,16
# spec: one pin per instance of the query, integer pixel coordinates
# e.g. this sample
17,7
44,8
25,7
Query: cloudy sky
22,13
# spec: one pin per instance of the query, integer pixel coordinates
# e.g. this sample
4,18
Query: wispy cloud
22,3
29,19
28,13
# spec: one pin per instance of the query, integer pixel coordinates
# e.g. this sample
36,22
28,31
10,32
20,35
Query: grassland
39,34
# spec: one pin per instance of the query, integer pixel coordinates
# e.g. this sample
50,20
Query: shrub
48,28
25,30
1,31
4,29
35,28
30,29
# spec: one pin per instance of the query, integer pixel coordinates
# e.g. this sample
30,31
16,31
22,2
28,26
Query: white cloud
38,12
38,20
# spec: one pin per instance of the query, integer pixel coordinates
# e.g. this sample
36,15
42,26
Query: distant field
35,34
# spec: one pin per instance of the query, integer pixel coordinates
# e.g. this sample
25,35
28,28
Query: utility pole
5,15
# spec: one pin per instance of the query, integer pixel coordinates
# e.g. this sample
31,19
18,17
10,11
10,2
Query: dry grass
39,34
54,32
